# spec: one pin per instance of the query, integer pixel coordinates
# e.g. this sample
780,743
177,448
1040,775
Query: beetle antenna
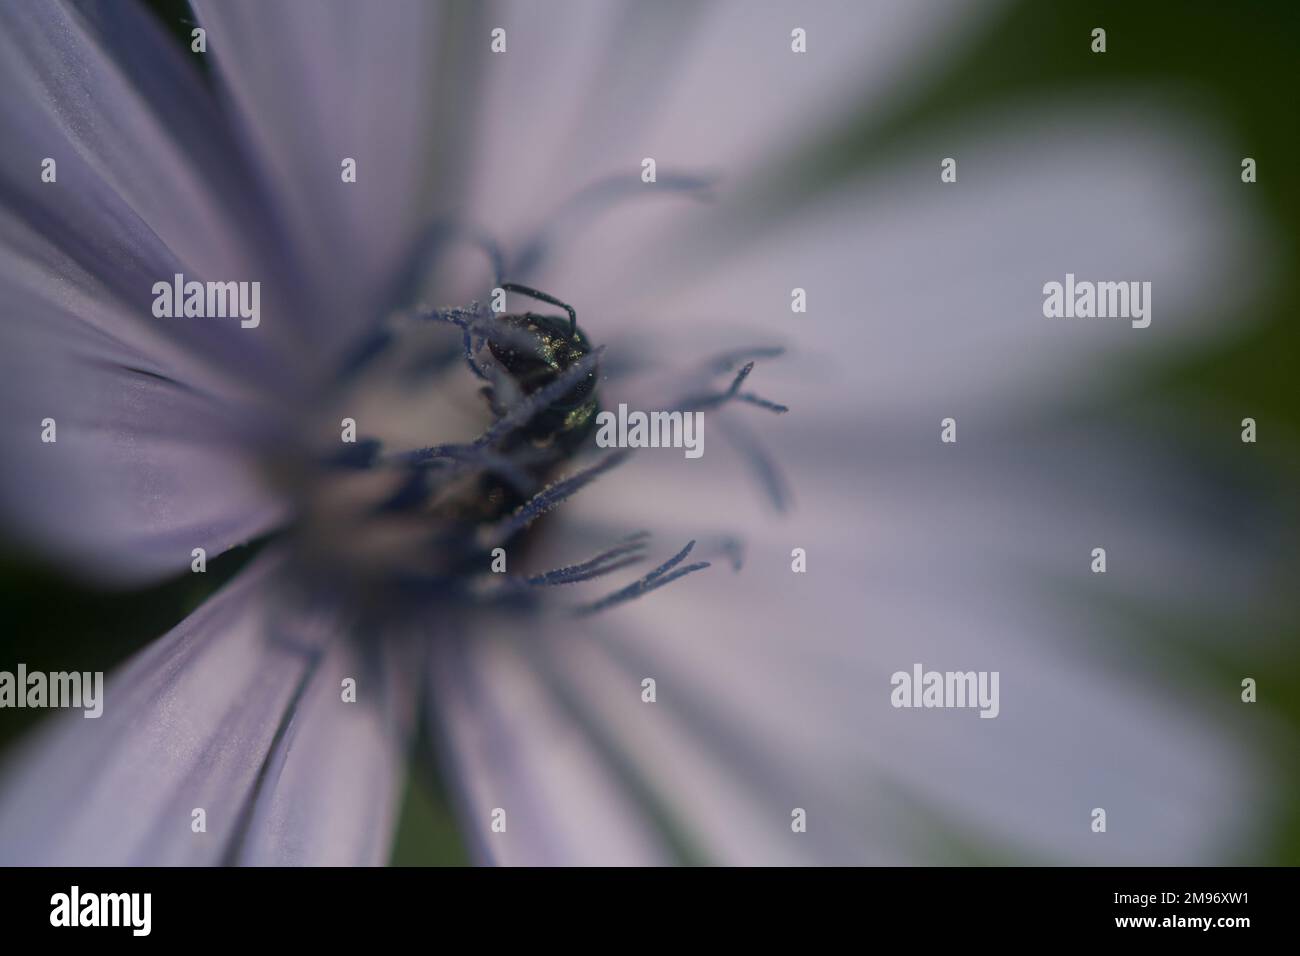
543,297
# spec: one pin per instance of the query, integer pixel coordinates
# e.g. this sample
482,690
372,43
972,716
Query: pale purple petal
187,724
590,89
959,564
144,469
149,183
313,84
332,787
511,745
152,416
925,299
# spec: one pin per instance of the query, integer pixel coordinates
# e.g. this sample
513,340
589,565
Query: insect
535,351
548,347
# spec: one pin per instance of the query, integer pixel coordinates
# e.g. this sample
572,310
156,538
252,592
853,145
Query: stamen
522,465
651,582
631,551
514,419
362,454
740,377
597,198
465,320
524,411
769,475
713,400
373,345
753,399
439,233
472,459
548,498
727,360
